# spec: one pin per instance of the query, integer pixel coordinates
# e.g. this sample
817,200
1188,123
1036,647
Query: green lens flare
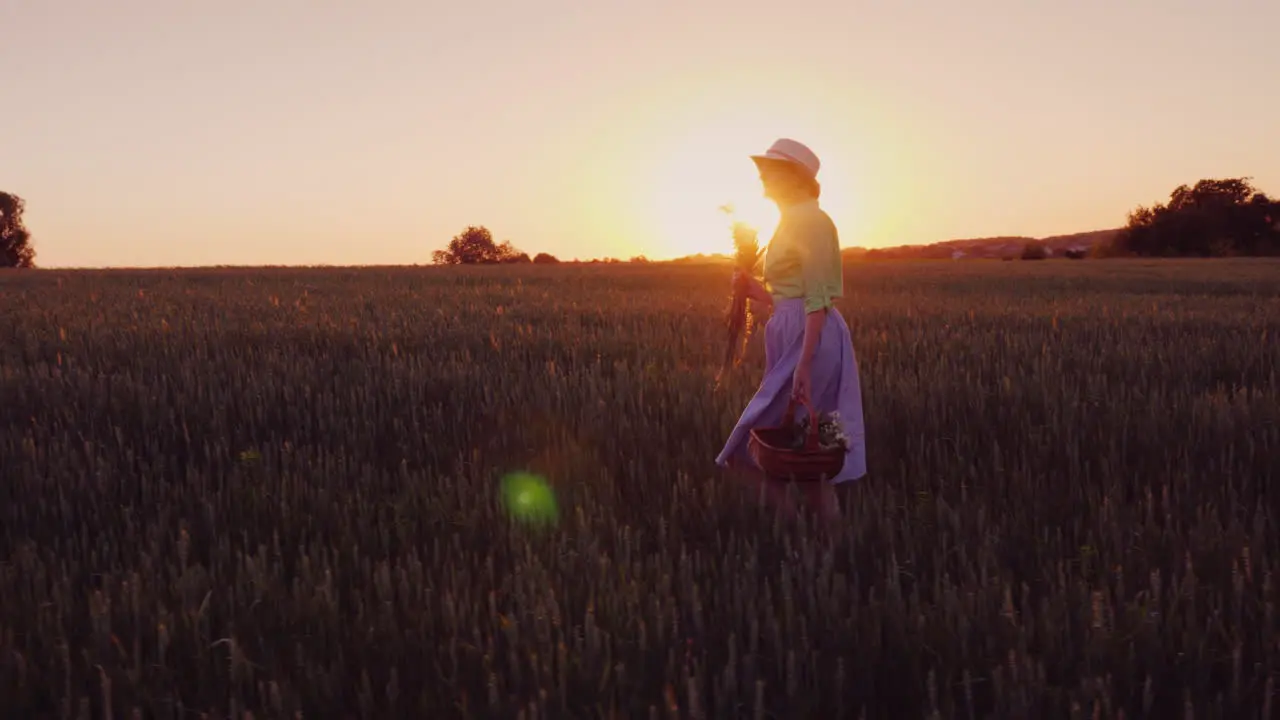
529,499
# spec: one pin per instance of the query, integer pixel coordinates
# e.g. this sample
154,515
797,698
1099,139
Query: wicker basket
771,448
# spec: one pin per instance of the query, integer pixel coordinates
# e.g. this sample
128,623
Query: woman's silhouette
808,351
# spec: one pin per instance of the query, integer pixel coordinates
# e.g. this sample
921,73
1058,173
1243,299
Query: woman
808,351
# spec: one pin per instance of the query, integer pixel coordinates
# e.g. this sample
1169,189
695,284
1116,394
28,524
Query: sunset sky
155,133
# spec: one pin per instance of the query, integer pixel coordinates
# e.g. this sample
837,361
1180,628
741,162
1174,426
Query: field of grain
277,492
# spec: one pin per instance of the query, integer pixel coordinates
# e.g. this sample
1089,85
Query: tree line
1213,218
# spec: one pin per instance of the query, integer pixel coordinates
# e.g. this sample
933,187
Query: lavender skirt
836,385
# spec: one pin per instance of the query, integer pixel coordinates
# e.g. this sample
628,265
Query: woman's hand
801,383
754,288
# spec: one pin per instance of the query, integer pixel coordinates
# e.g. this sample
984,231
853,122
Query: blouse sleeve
820,264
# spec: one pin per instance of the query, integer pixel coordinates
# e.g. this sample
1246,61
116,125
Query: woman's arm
823,281
813,323
801,379
760,294
756,291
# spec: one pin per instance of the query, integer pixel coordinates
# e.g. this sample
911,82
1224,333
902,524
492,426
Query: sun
694,183
680,149
694,157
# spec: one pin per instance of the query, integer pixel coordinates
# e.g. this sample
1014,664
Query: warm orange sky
143,132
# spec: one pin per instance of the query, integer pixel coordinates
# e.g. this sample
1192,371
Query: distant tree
1215,218
518,259
15,239
639,259
1034,251
545,259
475,246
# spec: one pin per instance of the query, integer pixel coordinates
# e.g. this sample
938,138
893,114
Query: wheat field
275,493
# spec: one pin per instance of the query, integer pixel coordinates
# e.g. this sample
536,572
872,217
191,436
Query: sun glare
692,217
690,156
697,180
691,190
695,218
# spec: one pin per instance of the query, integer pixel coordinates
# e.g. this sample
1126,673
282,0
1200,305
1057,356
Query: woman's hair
810,186
805,183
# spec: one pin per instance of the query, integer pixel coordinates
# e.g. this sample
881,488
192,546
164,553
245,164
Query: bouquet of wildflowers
738,320
830,432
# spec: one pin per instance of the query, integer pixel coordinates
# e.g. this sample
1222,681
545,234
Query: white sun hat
797,153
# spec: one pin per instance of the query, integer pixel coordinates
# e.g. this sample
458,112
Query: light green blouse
803,259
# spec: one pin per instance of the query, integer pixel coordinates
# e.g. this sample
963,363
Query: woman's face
780,180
